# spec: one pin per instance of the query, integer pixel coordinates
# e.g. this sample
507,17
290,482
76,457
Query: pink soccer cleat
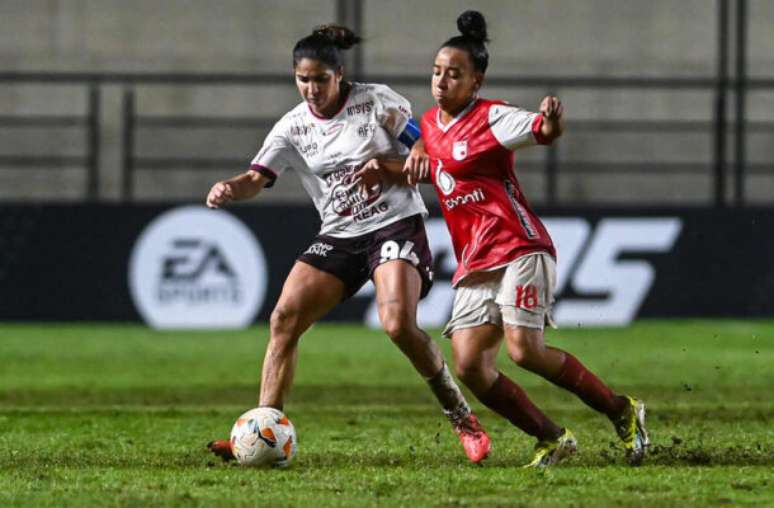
473,438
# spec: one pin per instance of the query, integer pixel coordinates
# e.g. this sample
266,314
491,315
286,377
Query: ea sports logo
197,268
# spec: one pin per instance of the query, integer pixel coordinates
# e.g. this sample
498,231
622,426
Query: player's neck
335,107
448,116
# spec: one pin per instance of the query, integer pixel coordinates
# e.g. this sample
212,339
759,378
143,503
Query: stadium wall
189,267
656,39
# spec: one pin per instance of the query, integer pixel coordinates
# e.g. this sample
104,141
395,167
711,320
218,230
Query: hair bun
341,36
472,24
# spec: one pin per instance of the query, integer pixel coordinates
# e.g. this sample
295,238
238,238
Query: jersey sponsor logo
477,196
444,180
366,130
364,211
362,108
319,249
301,130
342,174
308,150
197,268
460,150
349,198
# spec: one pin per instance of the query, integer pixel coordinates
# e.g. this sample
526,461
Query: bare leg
398,286
308,294
475,352
527,348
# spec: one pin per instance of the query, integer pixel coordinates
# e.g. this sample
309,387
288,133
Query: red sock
589,388
507,399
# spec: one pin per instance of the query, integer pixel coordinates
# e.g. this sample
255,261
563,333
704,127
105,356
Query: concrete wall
654,38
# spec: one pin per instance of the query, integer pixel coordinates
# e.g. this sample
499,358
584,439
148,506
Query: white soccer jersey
326,152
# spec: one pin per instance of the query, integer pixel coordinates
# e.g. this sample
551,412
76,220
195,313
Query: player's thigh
307,295
398,287
526,292
523,341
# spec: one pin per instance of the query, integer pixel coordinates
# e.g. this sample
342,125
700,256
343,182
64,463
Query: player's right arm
244,186
417,165
276,155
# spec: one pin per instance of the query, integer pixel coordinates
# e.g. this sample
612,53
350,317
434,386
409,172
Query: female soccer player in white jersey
506,260
374,232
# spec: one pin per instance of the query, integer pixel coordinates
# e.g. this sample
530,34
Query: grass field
119,416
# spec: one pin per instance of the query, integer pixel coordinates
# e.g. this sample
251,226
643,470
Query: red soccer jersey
487,214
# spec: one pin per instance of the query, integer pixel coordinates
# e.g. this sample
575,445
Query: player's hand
417,165
369,176
220,194
551,107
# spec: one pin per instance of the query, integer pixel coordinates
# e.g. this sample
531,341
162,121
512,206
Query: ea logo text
197,268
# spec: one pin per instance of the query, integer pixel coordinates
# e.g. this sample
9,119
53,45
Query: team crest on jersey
460,150
444,180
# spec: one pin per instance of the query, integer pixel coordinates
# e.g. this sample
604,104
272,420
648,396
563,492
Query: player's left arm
552,110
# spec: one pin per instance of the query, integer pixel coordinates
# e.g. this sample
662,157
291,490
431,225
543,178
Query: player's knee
468,371
284,321
521,350
398,326
475,374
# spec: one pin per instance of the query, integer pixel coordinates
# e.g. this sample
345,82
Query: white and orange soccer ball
263,436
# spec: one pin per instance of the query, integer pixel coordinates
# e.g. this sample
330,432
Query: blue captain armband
410,134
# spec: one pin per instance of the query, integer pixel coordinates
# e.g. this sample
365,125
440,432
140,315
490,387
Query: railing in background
722,86
88,122
132,121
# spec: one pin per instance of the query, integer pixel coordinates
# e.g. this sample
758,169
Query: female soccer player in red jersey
506,259
375,232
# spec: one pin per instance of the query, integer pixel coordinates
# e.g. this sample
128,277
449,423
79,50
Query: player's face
455,80
318,84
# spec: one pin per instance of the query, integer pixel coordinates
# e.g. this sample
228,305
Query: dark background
65,262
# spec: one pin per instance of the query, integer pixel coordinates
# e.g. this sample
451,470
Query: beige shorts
519,294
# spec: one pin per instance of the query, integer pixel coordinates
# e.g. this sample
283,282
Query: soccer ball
263,436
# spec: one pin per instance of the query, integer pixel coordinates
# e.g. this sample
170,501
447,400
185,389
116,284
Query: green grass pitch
119,416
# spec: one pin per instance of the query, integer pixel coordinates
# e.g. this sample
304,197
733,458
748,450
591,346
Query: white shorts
519,294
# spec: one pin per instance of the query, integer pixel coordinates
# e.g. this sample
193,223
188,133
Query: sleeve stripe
410,134
267,172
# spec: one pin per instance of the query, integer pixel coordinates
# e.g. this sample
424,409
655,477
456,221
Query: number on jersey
391,250
526,297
